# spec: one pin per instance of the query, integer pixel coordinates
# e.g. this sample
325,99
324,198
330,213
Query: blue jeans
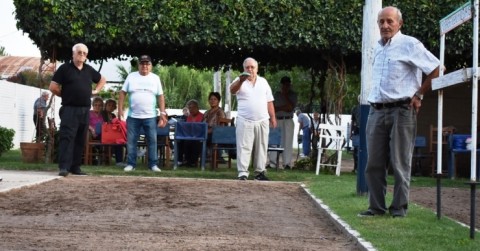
133,133
306,140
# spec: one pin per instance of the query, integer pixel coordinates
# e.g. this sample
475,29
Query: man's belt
284,117
391,105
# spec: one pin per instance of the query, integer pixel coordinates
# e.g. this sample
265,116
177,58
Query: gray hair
79,45
193,102
45,93
397,10
250,59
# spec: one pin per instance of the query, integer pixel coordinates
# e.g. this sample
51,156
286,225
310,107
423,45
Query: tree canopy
211,33
321,36
195,32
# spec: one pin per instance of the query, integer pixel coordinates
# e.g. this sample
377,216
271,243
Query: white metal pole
440,108
474,93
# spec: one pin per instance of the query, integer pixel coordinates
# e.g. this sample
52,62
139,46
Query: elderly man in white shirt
395,100
254,116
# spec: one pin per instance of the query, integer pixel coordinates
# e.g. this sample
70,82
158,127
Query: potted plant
6,139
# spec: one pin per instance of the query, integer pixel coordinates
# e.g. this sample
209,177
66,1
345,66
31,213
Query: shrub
6,139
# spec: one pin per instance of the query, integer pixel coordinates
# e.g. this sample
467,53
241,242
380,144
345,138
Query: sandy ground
135,213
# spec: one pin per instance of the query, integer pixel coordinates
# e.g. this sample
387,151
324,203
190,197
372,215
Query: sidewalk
17,179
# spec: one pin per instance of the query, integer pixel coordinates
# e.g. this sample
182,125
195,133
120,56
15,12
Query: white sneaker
302,155
156,169
128,168
122,164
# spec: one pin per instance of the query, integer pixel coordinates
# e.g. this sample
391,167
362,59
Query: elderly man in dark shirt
73,83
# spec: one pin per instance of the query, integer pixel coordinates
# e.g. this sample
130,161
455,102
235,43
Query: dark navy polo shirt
76,84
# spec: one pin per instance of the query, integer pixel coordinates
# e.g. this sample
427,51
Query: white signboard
456,18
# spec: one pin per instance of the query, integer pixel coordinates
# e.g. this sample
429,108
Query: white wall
16,111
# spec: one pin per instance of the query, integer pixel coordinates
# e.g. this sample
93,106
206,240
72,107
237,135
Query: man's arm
99,86
163,115
271,113
427,84
55,88
121,98
235,86
416,102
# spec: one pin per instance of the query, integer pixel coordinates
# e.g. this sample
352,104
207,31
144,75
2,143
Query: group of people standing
73,83
395,98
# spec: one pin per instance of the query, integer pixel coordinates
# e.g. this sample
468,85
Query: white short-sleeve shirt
142,94
252,99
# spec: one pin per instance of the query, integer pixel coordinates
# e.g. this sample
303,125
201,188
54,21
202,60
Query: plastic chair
334,137
275,143
420,143
223,138
196,131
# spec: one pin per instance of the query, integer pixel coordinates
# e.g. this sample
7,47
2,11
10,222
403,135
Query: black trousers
74,122
40,127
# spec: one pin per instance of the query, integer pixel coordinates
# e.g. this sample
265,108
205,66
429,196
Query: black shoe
63,173
398,215
243,177
367,213
261,176
79,173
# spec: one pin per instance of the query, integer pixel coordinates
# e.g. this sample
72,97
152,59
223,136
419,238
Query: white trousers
252,138
287,127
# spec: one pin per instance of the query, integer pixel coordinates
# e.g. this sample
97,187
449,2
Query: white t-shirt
253,99
142,94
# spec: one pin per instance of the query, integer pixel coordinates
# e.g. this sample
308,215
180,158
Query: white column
370,36
227,98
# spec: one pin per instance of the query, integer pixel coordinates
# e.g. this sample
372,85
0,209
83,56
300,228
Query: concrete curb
18,179
340,224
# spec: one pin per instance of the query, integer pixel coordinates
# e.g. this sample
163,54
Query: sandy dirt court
139,213
135,213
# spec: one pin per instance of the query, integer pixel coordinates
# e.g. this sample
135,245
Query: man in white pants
254,114
285,102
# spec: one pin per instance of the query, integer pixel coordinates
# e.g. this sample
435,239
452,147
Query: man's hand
242,78
162,122
416,103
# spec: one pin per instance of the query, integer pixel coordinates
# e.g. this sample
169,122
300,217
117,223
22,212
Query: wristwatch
419,95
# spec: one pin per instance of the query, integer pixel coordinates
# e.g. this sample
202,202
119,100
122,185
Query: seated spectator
107,116
192,149
213,115
107,112
215,112
95,116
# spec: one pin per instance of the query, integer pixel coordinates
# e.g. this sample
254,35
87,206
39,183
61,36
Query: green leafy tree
321,36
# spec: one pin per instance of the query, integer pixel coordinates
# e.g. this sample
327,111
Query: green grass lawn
421,230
